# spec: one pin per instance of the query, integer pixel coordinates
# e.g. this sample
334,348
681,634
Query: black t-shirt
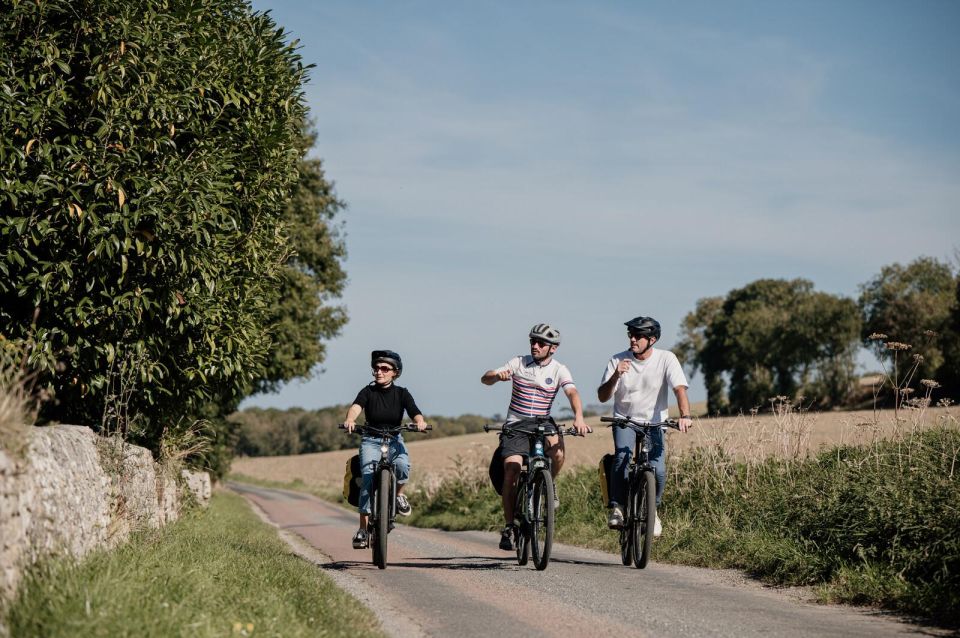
384,406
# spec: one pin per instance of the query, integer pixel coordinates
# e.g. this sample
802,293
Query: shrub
149,150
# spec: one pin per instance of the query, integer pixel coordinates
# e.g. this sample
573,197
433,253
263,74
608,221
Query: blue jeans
370,456
624,442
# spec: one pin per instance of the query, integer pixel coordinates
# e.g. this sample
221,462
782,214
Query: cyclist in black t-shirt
383,404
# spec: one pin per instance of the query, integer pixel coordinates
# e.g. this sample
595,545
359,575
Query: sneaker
657,528
360,539
616,518
403,505
506,538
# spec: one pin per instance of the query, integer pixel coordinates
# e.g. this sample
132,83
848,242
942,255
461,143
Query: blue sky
581,163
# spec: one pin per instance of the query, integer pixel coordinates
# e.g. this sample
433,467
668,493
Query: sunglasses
540,342
637,335
383,369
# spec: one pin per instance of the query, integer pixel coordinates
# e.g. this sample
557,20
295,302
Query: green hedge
148,151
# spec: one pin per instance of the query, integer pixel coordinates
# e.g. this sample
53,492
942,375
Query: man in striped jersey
537,378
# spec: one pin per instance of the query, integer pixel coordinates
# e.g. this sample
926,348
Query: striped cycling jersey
534,386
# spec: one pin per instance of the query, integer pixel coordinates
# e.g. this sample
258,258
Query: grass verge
217,572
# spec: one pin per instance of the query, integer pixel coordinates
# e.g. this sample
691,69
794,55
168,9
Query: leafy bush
149,152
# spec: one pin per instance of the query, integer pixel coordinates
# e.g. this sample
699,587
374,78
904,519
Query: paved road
460,584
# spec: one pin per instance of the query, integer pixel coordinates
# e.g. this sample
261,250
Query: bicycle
640,510
383,491
534,509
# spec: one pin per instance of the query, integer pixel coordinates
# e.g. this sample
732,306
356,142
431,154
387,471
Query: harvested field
791,434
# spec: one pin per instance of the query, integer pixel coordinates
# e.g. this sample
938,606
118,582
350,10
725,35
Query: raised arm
492,376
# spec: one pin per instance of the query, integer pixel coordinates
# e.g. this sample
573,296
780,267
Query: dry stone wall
73,492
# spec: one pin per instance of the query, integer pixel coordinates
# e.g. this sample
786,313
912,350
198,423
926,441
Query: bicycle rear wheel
541,518
521,531
382,527
645,512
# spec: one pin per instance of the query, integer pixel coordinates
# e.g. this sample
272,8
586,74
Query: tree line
777,337
274,432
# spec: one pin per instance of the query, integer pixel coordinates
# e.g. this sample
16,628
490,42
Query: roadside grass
216,572
877,524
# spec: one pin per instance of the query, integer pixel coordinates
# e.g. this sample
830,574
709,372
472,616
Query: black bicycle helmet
387,356
545,332
644,326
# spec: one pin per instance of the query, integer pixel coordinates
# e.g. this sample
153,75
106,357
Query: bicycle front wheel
626,531
541,518
644,515
522,531
382,528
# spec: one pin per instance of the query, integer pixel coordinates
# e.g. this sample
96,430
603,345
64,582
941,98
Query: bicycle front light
383,449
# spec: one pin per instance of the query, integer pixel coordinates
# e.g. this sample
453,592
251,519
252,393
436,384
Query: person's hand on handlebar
420,423
349,426
684,423
582,428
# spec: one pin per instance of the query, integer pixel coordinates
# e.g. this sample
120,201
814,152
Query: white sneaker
657,528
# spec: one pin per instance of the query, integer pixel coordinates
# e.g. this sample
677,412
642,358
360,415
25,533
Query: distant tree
910,304
770,338
949,372
698,352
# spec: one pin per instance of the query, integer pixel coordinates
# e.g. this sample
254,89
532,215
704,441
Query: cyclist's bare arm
575,404
683,403
492,376
350,421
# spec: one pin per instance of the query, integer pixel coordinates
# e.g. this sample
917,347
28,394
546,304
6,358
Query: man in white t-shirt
638,380
537,378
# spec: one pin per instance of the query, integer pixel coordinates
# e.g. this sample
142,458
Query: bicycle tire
520,533
645,500
542,519
384,490
626,531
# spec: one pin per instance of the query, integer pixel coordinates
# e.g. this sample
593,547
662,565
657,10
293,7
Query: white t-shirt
641,393
534,386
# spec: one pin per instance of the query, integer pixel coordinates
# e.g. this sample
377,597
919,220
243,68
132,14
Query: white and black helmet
546,332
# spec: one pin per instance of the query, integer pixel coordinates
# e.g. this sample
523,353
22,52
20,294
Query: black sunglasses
540,342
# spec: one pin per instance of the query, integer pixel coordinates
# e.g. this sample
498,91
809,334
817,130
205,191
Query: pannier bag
352,480
605,470
496,471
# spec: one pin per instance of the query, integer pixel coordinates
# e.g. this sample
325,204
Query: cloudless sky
581,163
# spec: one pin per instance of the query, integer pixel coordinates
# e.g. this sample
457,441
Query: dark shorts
515,442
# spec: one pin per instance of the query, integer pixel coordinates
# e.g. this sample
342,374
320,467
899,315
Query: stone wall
73,492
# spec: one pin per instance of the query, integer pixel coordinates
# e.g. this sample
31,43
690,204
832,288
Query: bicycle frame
640,511
383,490
533,509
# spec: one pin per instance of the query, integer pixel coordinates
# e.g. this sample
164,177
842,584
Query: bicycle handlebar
553,429
406,427
624,422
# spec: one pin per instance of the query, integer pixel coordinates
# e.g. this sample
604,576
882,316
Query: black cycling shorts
516,442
